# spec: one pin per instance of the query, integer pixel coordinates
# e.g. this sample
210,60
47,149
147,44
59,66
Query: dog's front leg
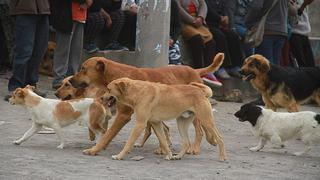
33,130
261,144
268,103
58,131
135,133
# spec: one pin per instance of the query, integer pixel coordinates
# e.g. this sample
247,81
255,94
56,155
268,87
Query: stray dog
57,114
66,92
282,86
279,127
46,65
154,102
99,72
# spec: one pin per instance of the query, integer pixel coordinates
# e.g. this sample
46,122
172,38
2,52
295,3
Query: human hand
171,41
198,21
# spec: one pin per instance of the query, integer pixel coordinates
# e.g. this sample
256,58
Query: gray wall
314,15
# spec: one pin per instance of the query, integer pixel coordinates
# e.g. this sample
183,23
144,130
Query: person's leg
7,23
196,46
221,45
265,48
118,20
61,57
296,49
75,49
39,49
307,51
209,52
25,28
127,35
278,43
94,25
234,48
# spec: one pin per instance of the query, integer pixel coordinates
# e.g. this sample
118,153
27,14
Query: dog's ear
32,88
262,66
100,66
121,87
20,93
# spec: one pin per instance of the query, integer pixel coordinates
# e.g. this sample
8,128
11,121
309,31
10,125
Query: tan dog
99,72
66,92
57,114
46,65
282,86
155,102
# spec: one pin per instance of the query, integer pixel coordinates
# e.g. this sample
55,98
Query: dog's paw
90,152
116,157
176,157
254,149
159,151
61,146
169,157
193,150
17,142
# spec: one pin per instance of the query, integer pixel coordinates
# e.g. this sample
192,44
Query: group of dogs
104,87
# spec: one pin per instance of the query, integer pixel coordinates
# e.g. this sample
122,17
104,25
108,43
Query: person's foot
115,46
211,79
8,96
234,72
222,73
90,48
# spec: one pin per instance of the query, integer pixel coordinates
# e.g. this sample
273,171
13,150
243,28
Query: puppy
57,114
155,102
66,92
46,65
282,86
99,72
279,127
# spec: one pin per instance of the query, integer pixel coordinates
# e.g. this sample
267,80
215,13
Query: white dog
278,127
57,114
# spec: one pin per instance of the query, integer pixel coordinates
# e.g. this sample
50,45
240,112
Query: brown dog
282,86
46,65
99,72
66,92
154,102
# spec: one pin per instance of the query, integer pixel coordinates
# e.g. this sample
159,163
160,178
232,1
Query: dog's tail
217,62
205,89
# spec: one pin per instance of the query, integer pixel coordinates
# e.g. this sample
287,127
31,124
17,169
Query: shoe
90,48
42,94
258,102
234,72
211,79
115,46
8,96
222,73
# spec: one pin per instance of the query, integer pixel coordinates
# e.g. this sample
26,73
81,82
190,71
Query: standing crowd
206,27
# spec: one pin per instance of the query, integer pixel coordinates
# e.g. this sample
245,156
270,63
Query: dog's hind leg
167,133
59,133
307,148
261,144
183,126
158,129
33,130
195,148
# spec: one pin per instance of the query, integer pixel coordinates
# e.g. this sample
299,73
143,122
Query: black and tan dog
282,86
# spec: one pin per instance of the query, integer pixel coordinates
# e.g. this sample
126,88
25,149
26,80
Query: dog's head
115,90
249,112
51,48
91,71
19,96
254,66
66,91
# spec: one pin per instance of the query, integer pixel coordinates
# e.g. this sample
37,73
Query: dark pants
31,42
271,48
301,50
201,53
94,25
229,43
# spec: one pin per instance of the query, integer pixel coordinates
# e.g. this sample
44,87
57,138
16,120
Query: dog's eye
67,84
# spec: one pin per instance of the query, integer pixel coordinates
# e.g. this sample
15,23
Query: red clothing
78,14
192,9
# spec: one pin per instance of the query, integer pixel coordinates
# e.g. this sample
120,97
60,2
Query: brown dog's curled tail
217,62
205,89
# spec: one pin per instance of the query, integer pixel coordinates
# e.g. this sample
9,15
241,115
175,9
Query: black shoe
258,102
7,97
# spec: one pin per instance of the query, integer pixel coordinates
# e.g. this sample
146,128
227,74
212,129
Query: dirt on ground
38,158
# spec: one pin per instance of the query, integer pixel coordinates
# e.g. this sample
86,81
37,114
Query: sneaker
115,46
8,96
222,73
211,79
90,48
234,72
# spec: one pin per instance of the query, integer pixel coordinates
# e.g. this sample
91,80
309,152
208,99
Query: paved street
39,158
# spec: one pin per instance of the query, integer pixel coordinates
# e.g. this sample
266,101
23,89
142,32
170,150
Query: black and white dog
278,127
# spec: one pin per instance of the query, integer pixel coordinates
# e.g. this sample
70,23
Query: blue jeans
31,42
271,48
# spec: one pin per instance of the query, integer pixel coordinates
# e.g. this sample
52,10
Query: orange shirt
78,14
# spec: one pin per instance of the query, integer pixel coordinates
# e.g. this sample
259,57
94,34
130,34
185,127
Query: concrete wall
314,15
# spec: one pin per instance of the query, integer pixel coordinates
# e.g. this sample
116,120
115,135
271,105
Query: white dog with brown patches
57,114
